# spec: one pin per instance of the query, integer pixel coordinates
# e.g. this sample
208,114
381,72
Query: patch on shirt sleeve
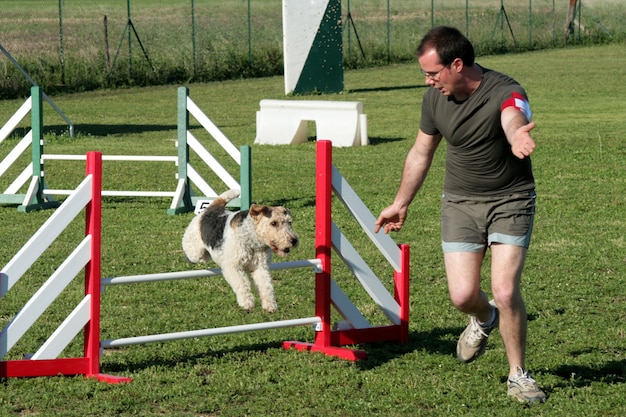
520,102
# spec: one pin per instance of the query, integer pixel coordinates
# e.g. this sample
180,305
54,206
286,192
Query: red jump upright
330,340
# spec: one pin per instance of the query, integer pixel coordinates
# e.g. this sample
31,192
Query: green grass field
573,283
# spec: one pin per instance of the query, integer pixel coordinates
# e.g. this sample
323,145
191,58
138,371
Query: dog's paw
246,303
269,306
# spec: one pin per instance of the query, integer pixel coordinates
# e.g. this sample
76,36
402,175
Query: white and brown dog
241,243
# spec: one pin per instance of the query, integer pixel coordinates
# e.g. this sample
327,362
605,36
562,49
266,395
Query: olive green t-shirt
479,161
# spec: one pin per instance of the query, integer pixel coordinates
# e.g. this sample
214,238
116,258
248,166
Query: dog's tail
225,198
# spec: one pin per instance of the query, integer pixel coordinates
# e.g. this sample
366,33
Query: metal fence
80,44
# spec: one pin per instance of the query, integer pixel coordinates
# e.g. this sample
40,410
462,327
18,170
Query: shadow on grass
98,129
126,367
436,341
113,129
395,88
291,203
611,372
377,140
373,141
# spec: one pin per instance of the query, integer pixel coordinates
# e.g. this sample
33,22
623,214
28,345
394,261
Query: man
489,193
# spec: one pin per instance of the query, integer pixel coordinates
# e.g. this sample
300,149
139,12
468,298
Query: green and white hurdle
34,197
39,196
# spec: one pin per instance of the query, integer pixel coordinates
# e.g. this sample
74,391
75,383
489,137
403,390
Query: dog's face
273,226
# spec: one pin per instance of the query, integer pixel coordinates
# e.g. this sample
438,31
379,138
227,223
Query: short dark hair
449,43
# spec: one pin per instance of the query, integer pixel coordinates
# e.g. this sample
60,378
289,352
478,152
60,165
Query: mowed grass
573,283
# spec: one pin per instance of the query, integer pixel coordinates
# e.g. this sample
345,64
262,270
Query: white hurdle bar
131,158
202,273
146,158
165,337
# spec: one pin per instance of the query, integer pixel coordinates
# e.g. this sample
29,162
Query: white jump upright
330,338
86,315
285,122
39,195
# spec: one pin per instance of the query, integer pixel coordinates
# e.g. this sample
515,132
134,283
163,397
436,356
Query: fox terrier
241,243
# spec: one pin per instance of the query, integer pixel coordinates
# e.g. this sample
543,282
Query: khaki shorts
471,224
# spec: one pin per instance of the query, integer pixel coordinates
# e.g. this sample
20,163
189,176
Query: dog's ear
258,211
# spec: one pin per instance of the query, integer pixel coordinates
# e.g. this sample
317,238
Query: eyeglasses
432,75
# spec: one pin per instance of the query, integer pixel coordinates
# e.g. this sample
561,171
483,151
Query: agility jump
39,195
330,339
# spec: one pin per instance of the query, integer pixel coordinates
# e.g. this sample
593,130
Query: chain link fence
77,45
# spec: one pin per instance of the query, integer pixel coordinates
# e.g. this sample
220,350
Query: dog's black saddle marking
212,225
238,218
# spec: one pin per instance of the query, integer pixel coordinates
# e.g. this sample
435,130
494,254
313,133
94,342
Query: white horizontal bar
52,191
165,276
146,158
207,332
139,193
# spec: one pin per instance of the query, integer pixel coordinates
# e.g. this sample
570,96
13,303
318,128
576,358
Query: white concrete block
284,122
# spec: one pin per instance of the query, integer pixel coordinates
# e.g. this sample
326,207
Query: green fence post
186,204
37,200
245,180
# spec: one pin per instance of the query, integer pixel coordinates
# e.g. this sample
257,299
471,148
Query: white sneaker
473,340
524,389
